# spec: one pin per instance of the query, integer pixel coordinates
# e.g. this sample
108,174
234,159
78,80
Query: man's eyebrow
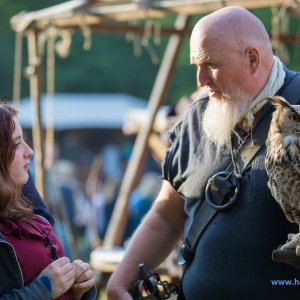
201,59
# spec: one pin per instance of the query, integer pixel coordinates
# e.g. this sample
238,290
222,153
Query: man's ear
252,58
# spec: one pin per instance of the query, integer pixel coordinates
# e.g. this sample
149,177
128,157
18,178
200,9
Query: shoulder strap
292,92
206,212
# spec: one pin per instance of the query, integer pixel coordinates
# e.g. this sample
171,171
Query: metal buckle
185,254
222,187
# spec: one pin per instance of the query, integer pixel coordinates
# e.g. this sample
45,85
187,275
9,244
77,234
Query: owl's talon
288,245
293,242
291,236
288,256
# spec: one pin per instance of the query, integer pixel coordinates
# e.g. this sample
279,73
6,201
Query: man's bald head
233,28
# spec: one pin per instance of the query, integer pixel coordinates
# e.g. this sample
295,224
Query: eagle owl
283,162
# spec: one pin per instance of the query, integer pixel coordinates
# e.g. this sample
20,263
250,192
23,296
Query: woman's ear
252,58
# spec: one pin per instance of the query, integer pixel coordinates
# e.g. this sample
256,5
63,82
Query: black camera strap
243,158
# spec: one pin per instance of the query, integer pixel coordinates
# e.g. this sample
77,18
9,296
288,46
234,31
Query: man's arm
31,193
152,242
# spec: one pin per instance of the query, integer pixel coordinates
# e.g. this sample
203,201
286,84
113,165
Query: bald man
232,259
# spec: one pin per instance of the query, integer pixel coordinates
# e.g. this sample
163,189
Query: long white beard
222,115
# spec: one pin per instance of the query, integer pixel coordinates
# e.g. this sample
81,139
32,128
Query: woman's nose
29,151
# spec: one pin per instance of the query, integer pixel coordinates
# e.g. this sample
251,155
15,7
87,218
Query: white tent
72,111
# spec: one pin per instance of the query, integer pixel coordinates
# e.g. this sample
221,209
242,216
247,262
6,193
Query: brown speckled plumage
283,161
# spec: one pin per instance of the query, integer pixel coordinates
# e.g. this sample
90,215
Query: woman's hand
58,277
84,279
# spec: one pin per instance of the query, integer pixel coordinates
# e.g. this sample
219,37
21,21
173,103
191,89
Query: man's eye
212,66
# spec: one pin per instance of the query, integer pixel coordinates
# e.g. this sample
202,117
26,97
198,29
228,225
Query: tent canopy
72,111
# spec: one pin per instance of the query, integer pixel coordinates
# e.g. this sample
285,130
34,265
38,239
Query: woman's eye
17,145
294,117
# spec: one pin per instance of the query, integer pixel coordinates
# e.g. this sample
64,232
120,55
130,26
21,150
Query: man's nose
203,76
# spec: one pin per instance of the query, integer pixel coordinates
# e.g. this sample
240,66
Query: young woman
32,262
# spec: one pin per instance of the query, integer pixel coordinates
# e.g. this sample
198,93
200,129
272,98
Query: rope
17,67
86,32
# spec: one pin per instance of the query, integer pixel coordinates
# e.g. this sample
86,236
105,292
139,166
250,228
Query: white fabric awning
70,111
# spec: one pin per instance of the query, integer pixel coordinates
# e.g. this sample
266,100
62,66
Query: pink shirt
32,246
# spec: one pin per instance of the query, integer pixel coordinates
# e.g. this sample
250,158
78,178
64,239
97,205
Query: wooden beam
160,9
288,38
24,20
122,29
158,146
95,24
34,73
294,10
101,11
119,217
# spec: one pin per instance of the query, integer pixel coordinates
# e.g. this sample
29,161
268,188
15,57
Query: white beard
222,115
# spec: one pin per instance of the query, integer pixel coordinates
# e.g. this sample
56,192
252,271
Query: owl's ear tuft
278,101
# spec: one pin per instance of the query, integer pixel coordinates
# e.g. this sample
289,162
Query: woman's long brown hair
13,204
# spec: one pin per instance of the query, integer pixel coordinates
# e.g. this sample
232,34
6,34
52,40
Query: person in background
31,193
141,201
32,262
232,260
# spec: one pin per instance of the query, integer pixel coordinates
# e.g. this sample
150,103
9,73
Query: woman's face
18,168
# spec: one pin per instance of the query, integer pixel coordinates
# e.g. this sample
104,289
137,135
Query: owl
283,162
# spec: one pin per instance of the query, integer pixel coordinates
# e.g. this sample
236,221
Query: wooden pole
34,73
119,217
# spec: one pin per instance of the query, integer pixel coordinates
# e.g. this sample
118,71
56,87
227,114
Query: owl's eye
294,117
